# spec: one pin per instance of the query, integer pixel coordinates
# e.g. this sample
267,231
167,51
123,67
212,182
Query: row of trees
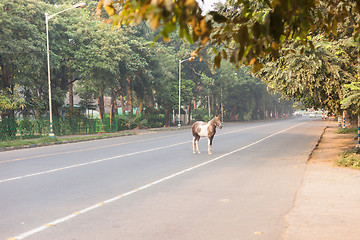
123,62
305,50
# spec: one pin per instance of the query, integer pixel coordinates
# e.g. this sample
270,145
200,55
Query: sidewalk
327,206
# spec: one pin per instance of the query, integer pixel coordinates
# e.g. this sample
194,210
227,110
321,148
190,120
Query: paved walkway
327,206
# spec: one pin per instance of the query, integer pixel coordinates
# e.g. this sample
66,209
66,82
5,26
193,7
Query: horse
205,129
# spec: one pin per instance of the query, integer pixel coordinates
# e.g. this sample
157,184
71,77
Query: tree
10,100
22,50
123,62
314,78
242,30
351,99
99,58
318,36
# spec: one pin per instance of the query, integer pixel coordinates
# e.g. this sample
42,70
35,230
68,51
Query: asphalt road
152,186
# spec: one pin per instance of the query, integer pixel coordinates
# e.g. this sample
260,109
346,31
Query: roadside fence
15,128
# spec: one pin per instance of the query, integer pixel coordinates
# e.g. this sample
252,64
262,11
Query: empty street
151,185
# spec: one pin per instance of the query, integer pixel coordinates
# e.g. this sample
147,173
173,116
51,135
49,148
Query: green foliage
10,100
27,142
311,41
22,50
314,78
350,158
347,130
351,98
8,128
122,62
200,114
27,128
241,31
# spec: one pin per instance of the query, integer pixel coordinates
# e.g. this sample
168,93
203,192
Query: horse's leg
194,144
210,144
197,144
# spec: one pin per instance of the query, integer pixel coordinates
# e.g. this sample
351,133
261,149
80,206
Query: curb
317,144
4,149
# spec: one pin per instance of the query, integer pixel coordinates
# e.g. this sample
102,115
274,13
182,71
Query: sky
207,4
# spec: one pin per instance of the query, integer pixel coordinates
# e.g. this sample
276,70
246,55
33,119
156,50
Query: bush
347,130
200,114
350,158
127,121
153,120
29,129
8,128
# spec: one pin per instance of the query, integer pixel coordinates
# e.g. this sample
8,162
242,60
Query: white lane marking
92,162
75,214
113,145
83,150
240,130
116,157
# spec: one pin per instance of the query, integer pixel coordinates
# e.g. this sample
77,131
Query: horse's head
217,120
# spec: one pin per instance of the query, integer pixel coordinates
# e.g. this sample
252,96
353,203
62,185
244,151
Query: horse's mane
211,121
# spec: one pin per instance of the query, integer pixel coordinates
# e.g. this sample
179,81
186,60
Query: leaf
110,10
190,3
218,17
224,54
243,35
217,60
154,22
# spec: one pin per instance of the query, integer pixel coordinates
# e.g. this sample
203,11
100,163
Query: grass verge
49,140
350,158
347,130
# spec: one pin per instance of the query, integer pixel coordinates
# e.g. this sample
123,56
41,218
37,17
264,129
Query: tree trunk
101,105
129,92
113,106
101,110
141,106
232,113
70,88
139,110
5,78
37,110
71,95
122,104
213,105
167,118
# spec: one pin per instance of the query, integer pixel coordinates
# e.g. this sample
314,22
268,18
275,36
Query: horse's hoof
210,153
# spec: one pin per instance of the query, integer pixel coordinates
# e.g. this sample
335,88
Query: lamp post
47,17
181,61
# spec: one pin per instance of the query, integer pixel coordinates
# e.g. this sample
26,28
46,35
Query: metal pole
48,66
180,61
179,124
222,107
47,17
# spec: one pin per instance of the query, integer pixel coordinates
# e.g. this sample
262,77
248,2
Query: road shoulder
327,204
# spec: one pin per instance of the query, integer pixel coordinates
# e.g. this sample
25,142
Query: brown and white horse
205,129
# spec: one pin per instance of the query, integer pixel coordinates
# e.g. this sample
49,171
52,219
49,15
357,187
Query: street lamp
47,17
181,61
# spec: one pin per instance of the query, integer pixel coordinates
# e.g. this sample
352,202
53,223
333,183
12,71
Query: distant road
152,186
